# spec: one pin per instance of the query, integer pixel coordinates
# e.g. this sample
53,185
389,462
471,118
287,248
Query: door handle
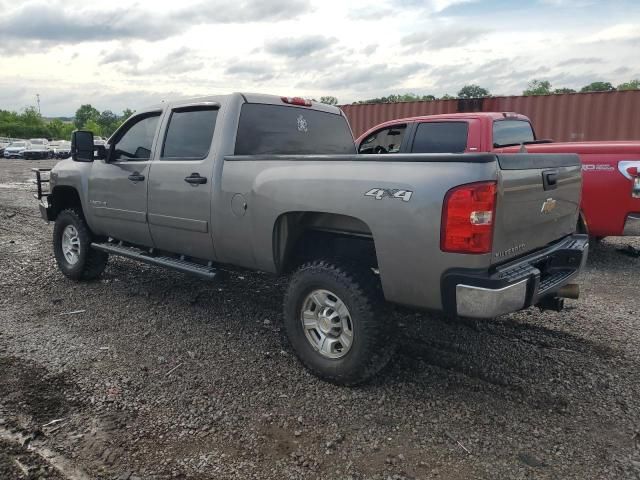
195,179
550,180
136,177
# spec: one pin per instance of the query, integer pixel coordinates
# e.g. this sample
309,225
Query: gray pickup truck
274,184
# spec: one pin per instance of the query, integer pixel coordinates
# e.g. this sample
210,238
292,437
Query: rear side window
284,130
387,140
440,137
189,133
512,132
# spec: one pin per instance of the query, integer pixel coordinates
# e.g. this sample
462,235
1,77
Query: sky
121,54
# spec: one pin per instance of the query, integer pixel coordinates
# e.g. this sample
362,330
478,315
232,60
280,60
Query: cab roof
447,116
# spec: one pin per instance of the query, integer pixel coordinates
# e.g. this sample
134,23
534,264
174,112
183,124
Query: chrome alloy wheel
327,324
71,244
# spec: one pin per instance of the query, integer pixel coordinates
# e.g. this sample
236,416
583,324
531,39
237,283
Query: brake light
467,218
633,171
302,102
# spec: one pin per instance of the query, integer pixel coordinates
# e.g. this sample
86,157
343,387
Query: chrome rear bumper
515,285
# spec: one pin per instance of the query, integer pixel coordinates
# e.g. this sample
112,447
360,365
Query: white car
15,149
38,149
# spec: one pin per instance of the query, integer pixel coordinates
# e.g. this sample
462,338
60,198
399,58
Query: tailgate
538,202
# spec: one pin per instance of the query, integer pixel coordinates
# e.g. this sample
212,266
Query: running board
183,266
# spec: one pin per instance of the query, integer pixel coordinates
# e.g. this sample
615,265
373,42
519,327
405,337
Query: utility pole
38,98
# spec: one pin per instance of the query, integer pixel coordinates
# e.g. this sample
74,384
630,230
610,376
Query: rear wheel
72,247
335,322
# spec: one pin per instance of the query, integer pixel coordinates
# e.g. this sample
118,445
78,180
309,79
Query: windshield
37,142
18,144
512,132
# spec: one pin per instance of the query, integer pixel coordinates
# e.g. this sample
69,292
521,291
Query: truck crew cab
274,184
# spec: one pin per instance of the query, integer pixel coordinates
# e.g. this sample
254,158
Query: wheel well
583,226
303,236
62,198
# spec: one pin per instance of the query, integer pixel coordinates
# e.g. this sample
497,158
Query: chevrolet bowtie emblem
548,205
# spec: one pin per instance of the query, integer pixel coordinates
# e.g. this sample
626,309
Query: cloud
580,61
256,71
443,38
299,47
620,32
180,61
121,55
371,77
369,49
43,24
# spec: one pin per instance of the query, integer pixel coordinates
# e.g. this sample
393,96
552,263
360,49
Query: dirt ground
150,374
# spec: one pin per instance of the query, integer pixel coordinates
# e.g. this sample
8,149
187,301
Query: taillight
302,102
467,218
633,171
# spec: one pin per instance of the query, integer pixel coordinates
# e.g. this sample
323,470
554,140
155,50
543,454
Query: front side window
512,132
440,137
189,133
387,140
137,140
286,130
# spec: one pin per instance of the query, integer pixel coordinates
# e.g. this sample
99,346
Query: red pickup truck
611,170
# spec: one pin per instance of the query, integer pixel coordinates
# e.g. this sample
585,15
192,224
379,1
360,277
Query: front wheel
72,247
335,321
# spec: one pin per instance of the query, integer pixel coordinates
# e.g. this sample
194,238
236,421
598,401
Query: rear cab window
266,129
512,132
387,140
440,137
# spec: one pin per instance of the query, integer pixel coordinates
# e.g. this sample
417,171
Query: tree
58,130
473,91
400,97
108,122
564,90
329,100
538,87
126,113
598,87
446,96
93,127
631,85
84,114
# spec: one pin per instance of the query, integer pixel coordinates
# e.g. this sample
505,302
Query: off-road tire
373,327
91,263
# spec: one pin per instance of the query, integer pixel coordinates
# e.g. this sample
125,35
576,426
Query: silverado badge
548,205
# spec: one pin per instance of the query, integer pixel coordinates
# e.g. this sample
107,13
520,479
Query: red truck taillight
467,218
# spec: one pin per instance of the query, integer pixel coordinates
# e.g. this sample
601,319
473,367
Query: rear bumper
632,224
515,285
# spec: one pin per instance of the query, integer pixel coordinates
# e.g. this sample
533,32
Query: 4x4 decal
380,193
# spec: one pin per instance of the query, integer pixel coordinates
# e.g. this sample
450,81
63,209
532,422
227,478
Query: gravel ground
161,376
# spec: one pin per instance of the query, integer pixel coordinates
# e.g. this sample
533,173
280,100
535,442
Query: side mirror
82,146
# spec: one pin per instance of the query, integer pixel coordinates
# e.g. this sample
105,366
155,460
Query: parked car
3,145
274,184
610,203
15,149
38,149
60,149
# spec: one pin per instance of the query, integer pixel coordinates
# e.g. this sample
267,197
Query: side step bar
183,266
